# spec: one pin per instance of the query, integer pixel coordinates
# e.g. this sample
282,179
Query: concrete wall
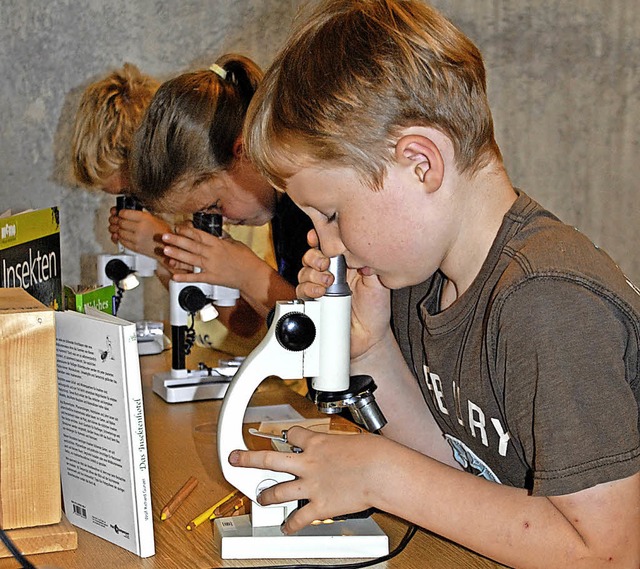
564,83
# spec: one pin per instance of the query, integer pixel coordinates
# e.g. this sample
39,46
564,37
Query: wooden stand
43,539
30,502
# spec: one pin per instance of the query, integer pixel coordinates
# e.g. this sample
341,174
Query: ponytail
241,79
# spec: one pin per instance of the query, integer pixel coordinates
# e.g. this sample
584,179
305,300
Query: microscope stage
198,385
352,538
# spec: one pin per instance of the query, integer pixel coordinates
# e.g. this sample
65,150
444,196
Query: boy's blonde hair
190,128
356,72
109,113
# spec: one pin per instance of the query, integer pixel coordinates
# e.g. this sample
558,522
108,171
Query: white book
103,444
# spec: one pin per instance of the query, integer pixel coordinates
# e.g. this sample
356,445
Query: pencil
229,508
179,497
204,516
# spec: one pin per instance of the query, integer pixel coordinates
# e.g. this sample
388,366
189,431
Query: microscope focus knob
295,331
192,299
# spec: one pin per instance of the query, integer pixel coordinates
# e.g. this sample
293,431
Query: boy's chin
395,282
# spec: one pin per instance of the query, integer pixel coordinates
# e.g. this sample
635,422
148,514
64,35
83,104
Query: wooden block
43,539
29,443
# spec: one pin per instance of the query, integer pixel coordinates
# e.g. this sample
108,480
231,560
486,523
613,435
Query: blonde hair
353,74
190,128
109,113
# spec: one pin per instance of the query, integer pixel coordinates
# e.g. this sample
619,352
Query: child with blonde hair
505,345
109,113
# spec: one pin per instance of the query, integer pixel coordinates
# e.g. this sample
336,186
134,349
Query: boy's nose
331,244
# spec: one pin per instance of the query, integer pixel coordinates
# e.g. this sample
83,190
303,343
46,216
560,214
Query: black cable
24,562
117,298
190,335
411,531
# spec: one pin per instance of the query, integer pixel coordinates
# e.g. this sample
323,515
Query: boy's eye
213,208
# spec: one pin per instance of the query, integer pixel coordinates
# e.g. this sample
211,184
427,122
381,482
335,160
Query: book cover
101,298
103,445
30,254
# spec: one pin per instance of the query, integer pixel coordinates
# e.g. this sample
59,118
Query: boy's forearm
409,420
502,522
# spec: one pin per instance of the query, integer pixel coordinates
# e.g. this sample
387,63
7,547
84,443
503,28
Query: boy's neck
483,201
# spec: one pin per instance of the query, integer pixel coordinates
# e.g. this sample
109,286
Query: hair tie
218,70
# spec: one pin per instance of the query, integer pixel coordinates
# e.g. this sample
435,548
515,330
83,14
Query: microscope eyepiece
209,222
128,202
340,287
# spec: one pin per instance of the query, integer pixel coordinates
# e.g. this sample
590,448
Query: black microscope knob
117,270
295,331
191,299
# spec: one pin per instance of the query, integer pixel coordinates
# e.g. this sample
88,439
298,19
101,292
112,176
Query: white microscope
186,300
307,338
122,268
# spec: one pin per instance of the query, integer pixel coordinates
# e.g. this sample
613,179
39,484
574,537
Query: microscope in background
123,268
305,339
187,300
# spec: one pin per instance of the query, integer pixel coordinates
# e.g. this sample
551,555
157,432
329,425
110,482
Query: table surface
182,443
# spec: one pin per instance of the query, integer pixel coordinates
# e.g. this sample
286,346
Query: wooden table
182,443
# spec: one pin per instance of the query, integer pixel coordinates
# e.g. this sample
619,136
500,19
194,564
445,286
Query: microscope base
198,385
352,538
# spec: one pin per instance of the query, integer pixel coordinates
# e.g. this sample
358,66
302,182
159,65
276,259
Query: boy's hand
370,305
138,231
351,462
223,261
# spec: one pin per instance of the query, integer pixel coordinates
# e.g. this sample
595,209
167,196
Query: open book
103,444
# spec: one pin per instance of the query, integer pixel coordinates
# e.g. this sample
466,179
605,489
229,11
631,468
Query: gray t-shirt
533,374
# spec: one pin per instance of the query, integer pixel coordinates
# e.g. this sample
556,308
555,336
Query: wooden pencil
179,497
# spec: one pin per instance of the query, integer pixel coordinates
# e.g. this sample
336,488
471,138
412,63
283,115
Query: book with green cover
30,254
101,298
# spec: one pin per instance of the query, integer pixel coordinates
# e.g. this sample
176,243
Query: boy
109,113
510,373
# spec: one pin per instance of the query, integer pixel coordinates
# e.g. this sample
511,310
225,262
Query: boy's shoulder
539,246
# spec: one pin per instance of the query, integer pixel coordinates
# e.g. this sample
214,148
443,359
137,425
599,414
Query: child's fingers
266,459
316,259
181,255
299,519
132,214
312,238
182,243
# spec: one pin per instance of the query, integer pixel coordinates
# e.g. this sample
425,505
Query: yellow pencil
204,516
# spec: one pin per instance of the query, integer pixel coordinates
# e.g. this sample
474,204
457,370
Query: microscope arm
326,321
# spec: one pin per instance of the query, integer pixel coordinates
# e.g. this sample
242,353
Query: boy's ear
238,149
422,155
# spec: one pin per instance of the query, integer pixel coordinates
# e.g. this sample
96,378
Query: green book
100,298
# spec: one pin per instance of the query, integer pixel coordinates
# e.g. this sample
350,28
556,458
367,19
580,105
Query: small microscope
306,338
123,268
186,300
